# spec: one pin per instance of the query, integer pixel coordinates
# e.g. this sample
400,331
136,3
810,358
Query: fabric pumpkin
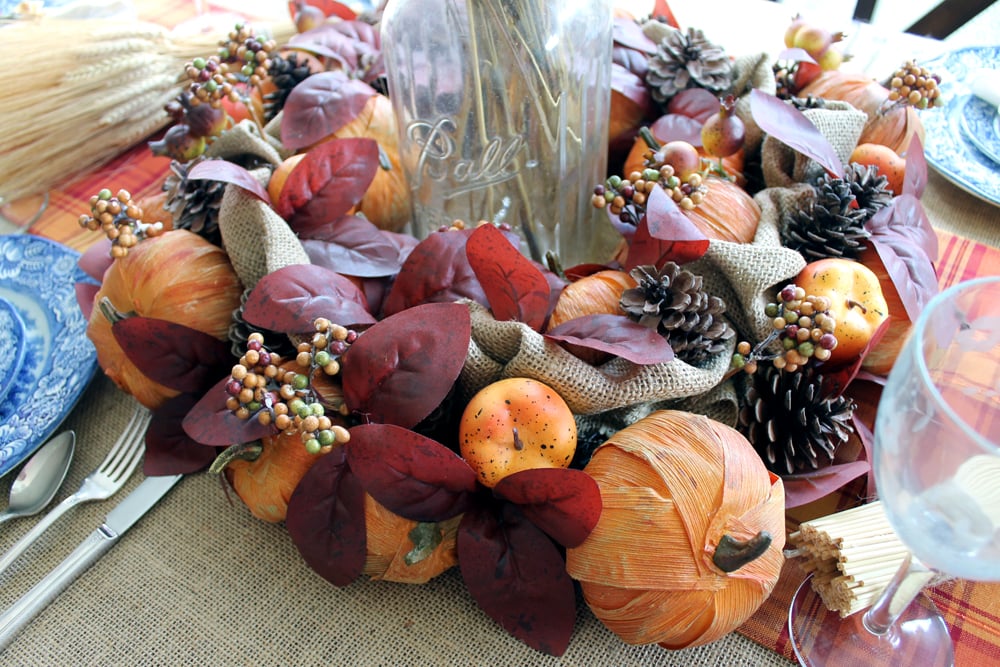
405,551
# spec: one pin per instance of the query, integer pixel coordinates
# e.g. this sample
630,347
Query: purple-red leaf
614,334
410,474
292,297
665,234
632,87
675,127
696,103
796,54
169,450
629,33
85,294
906,243
354,44
354,246
225,171
176,356
915,175
326,183
437,270
791,127
563,502
326,519
211,423
403,367
96,259
319,106
807,487
515,288
517,576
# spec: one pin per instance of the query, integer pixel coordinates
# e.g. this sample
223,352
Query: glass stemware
936,462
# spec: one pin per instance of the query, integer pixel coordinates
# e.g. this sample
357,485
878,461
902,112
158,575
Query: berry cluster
209,82
914,85
120,219
252,54
804,326
627,197
262,386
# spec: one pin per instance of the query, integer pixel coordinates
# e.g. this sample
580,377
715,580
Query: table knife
117,522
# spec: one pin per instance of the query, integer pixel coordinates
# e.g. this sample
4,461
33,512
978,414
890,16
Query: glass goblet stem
903,588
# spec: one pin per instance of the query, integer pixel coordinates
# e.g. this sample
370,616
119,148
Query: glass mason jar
503,112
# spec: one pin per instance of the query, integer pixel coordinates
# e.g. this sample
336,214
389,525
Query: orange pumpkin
636,160
893,126
689,542
595,294
881,358
727,213
405,551
177,276
265,474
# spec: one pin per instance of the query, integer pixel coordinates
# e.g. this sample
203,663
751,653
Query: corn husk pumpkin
680,556
595,294
177,276
728,212
405,551
893,126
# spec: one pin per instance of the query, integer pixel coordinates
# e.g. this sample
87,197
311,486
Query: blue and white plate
37,278
981,124
11,331
946,145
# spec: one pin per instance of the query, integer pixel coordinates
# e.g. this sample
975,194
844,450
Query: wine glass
936,462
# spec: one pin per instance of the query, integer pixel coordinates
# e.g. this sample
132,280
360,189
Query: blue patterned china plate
37,278
946,145
12,333
981,124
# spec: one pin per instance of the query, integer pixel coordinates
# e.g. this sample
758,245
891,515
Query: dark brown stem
518,443
247,451
731,554
851,303
112,314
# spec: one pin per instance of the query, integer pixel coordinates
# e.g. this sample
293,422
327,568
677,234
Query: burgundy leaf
791,127
629,33
326,183
169,450
292,297
515,288
326,519
563,502
665,234
836,381
354,44
696,103
96,259
176,356
796,54
328,7
437,270
906,243
807,487
410,474
675,127
636,62
319,106
632,87
518,577
403,367
614,334
354,246
211,423
85,295
915,176
225,171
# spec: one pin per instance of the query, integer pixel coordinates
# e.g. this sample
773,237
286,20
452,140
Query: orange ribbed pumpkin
177,276
727,213
681,554
405,551
595,294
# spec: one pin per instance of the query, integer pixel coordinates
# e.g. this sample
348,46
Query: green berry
326,437
104,194
300,382
199,63
322,358
317,409
313,446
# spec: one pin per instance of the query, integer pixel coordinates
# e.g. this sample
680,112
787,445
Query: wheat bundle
83,91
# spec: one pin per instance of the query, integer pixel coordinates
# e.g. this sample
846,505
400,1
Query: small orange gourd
594,294
177,276
407,551
689,541
727,213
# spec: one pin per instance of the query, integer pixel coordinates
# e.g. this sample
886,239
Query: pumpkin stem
731,554
426,536
851,303
112,314
518,443
247,451
650,140
383,159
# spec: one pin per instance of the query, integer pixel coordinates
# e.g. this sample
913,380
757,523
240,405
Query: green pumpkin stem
731,554
112,314
247,451
425,537
647,136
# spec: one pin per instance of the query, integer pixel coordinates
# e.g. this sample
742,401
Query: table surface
200,581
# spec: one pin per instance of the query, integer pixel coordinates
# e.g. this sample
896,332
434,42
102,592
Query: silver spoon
41,477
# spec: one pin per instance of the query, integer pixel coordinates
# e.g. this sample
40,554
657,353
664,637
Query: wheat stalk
85,90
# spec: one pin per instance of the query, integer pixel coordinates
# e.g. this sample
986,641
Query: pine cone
687,60
791,423
673,302
832,226
286,72
867,186
194,204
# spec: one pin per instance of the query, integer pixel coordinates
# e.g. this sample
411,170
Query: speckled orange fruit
513,425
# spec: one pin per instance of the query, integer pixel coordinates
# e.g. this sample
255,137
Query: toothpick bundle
83,91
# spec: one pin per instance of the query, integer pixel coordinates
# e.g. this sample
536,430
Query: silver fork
101,484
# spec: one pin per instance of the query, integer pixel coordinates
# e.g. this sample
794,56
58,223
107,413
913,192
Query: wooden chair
945,18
